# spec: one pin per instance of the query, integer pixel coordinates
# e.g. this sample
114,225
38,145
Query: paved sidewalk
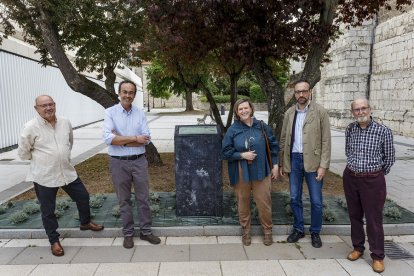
203,255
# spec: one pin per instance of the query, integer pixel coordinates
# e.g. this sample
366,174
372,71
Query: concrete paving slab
42,255
277,251
8,254
252,268
3,242
162,253
27,243
410,263
189,269
394,267
191,240
358,267
103,254
400,239
312,268
327,251
229,239
219,252
87,242
65,269
324,238
118,241
407,246
127,269
16,270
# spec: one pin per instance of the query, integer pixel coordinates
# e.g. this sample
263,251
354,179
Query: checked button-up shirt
370,149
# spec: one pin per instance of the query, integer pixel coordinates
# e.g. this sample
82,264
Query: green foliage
116,211
288,210
31,208
62,204
221,98
342,202
5,206
96,201
328,215
59,213
154,197
392,212
18,217
256,94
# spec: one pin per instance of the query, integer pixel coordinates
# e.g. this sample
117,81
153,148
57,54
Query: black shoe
150,238
295,236
316,240
128,242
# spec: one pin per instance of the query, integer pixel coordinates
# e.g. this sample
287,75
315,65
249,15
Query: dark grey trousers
125,174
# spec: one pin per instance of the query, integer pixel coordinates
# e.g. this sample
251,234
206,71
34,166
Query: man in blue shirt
370,154
126,132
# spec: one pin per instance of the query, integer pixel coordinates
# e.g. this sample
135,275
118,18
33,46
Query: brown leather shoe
378,265
128,242
355,255
246,238
91,226
57,249
268,239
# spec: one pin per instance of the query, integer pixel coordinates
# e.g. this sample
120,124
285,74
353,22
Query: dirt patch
94,172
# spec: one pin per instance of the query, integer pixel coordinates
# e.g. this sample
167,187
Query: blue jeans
315,192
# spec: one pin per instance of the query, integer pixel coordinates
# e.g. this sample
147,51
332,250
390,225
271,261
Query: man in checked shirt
370,154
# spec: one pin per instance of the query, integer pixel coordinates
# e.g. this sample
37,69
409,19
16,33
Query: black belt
128,157
364,174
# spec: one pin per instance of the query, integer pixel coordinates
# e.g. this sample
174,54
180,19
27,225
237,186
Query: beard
364,119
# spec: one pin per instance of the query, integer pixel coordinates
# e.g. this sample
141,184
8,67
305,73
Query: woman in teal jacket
244,147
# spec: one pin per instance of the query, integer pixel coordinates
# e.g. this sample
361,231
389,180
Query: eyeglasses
298,92
362,109
46,105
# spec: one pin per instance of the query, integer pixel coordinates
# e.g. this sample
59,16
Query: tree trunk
76,81
233,96
275,95
153,157
110,78
189,100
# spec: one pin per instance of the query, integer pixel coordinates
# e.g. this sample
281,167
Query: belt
364,174
128,157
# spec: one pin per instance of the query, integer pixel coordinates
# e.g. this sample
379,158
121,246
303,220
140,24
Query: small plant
116,211
288,210
59,213
31,208
18,217
3,209
155,209
392,212
328,215
154,197
342,202
62,204
324,205
96,201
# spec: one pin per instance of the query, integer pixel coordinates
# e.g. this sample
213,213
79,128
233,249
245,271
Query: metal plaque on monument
198,170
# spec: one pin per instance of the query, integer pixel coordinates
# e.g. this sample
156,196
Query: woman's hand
275,172
248,155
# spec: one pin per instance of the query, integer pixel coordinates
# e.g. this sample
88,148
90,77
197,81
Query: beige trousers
262,196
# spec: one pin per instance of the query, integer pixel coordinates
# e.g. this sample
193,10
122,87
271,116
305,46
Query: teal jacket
240,135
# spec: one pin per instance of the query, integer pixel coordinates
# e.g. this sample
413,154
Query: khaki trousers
262,197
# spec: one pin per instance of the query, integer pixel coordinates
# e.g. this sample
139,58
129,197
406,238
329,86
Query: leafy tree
242,34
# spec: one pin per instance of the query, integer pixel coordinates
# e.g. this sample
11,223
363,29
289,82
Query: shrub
116,211
222,98
256,94
342,202
18,217
59,213
392,212
328,215
31,208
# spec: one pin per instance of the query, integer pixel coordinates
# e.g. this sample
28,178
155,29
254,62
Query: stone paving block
189,269
179,231
229,239
312,268
410,263
16,270
327,251
65,269
358,267
220,252
103,254
324,238
8,254
400,239
162,253
13,234
3,242
126,269
42,255
137,241
252,268
87,242
27,243
276,251
408,246
191,240
396,267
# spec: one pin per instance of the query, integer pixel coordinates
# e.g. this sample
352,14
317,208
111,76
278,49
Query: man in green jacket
305,145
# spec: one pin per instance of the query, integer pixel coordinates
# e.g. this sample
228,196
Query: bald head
360,101
41,98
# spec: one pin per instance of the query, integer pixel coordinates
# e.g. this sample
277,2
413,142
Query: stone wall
388,83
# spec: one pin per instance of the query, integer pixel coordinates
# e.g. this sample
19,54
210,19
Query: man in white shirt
47,142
